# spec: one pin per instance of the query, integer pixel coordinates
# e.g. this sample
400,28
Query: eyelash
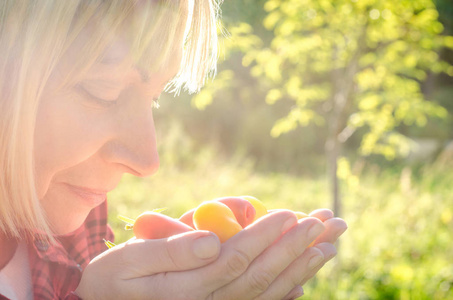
109,103
102,102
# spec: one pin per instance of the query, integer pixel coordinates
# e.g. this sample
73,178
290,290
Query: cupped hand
275,272
306,265
267,260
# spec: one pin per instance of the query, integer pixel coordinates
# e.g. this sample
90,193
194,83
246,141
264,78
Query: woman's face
87,136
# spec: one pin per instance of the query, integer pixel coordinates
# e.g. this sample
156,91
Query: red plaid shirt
56,269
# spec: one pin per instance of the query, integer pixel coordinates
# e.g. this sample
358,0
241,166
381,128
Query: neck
8,247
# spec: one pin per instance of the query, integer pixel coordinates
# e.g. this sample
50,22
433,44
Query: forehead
117,59
165,20
149,40
117,76
115,53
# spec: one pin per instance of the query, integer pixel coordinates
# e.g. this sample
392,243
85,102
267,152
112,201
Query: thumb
184,251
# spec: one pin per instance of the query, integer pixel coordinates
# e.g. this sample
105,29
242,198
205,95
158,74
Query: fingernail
315,230
289,224
295,293
340,233
299,293
315,261
331,255
206,247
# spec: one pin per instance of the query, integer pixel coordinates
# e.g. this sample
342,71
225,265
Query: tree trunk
342,98
343,83
332,153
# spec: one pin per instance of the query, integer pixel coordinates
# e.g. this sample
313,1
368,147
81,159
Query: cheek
64,137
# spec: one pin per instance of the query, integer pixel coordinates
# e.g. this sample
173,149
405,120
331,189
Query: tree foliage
349,65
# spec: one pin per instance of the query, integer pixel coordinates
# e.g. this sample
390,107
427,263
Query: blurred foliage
396,88
347,64
398,245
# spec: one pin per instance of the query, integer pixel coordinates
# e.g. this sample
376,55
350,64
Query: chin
65,219
64,226
66,211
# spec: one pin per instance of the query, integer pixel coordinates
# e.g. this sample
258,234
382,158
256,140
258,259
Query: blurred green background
313,99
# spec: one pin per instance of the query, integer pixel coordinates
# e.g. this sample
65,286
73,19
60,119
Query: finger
181,252
329,251
334,228
187,218
239,251
292,276
295,293
323,214
266,267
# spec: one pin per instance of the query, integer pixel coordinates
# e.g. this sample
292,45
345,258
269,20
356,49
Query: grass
399,244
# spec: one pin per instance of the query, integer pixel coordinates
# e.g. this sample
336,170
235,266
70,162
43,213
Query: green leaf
271,5
273,96
159,210
109,244
126,219
448,40
271,20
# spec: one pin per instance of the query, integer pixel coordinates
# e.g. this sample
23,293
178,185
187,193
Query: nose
133,147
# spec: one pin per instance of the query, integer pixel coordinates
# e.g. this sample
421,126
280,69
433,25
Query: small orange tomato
260,209
242,209
218,218
153,225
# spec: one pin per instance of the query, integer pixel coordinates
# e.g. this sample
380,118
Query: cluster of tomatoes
224,216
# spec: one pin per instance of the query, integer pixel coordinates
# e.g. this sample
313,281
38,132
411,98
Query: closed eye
87,95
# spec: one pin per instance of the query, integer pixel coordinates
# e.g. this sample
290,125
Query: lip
92,197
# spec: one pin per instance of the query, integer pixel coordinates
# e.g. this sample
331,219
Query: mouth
92,197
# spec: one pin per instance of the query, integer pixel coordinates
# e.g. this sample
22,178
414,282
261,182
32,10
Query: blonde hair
35,34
